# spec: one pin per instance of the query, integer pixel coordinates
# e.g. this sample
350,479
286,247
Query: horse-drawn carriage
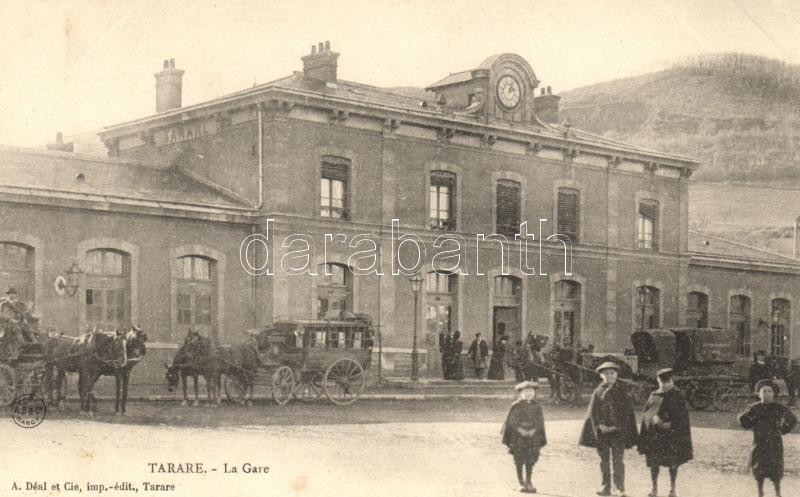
706,366
22,371
309,358
571,373
22,362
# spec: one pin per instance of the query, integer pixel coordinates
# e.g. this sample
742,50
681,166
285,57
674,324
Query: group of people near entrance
451,346
663,438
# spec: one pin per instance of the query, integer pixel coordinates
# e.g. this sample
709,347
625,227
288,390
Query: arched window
567,313
780,326
648,312
739,322
697,310
108,284
16,270
196,297
334,292
440,291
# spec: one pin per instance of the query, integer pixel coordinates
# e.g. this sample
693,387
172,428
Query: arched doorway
506,307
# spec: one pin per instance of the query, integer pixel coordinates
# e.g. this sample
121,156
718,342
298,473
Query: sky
76,66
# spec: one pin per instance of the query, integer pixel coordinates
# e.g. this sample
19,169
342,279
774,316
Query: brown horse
239,362
93,355
192,359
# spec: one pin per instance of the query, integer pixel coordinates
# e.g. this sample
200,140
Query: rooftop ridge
84,157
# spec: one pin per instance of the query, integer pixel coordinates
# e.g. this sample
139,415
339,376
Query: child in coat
524,433
769,421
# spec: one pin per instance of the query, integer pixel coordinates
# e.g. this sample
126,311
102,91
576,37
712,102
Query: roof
452,79
703,243
347,92
47,172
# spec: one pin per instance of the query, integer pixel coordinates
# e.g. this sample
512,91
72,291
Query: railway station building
301,198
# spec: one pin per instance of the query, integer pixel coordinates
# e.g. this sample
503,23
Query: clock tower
501,88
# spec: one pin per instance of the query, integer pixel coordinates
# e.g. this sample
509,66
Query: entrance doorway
505,321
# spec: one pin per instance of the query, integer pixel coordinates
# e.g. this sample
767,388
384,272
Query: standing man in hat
769,421
523,433
610,427
478,350
665,438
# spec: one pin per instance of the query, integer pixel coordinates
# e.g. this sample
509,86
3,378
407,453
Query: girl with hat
769,420
524,434
665,437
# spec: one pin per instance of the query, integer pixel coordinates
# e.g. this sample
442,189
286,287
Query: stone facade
264,157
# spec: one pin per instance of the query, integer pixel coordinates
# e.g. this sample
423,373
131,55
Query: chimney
59,145
168,87
546,106
796,251
320,64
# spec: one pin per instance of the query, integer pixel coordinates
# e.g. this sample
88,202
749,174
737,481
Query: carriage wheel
699,395
8,385
282,385
723,398
344,381
310,386
234,389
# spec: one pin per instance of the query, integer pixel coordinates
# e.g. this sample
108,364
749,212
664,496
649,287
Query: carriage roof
673,345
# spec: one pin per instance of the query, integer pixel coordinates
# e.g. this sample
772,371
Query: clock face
508,92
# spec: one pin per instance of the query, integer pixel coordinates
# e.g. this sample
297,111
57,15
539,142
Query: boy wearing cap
665,437
769,420
610,427
524,434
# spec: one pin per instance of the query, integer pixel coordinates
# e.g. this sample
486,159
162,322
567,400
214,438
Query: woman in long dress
456,362
497,364
769,421
665,437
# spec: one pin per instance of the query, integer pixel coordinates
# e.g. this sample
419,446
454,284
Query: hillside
739,115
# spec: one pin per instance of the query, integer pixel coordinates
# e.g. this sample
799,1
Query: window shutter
568,205
335,168
507,207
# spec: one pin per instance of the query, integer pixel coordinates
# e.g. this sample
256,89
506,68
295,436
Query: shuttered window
333,188
648,225
507,207
568,213
442,199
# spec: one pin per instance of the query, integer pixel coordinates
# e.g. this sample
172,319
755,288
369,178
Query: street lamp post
416,285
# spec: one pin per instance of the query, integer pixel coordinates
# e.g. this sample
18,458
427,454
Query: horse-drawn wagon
571,372
309,358
706,366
